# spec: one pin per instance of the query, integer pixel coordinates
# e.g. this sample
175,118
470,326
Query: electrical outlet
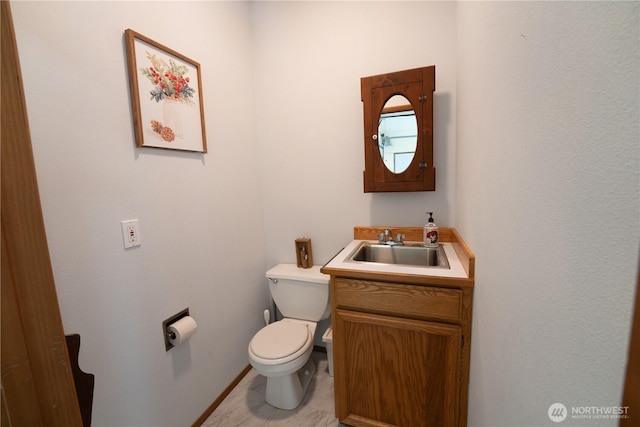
131,233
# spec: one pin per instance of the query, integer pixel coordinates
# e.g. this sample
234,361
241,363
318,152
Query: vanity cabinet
401,348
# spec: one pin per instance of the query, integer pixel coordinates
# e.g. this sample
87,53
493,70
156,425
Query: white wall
200,215
548,198
309,58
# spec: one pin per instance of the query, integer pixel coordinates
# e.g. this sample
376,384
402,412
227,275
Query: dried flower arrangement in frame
166,96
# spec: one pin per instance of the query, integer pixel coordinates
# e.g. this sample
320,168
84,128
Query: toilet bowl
281,351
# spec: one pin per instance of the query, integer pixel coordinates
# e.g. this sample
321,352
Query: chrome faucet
386,238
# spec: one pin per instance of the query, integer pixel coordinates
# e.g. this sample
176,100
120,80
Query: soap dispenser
430,233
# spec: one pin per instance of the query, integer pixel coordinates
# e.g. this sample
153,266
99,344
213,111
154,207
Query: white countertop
455,270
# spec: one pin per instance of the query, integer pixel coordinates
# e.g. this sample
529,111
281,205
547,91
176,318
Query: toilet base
287,391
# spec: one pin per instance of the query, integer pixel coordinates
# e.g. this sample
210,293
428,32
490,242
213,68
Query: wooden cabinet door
395,371
417,86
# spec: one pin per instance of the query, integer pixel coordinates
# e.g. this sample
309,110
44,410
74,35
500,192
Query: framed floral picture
166,96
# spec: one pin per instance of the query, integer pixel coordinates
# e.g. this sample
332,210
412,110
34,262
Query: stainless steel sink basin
407,254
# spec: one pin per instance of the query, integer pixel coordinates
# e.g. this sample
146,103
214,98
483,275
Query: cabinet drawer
416,302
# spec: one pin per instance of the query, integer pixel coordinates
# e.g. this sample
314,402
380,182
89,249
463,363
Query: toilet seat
280,342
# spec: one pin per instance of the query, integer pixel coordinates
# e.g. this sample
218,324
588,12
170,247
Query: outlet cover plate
131,233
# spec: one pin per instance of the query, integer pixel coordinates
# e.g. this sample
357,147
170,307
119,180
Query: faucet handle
380,237
400,237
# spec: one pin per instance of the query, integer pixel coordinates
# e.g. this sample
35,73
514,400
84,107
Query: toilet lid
279,339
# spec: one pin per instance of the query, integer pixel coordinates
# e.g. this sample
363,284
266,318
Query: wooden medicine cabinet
398,130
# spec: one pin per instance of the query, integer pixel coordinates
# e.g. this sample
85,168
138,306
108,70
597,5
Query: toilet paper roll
182,329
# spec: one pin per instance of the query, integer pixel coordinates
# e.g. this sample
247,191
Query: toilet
281,351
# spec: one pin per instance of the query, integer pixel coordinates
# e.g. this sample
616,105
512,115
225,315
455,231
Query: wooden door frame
37,382
631,394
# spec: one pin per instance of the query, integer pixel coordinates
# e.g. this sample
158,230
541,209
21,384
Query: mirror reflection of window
401,161
397,134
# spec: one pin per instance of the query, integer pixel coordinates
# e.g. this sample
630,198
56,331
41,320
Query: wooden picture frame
166,96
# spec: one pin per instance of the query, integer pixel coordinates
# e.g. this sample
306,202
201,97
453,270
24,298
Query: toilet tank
300,293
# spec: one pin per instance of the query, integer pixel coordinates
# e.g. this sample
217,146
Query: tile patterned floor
245,406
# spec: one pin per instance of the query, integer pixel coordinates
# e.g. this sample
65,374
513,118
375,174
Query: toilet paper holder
168,322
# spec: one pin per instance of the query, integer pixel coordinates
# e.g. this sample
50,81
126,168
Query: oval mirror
397,133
